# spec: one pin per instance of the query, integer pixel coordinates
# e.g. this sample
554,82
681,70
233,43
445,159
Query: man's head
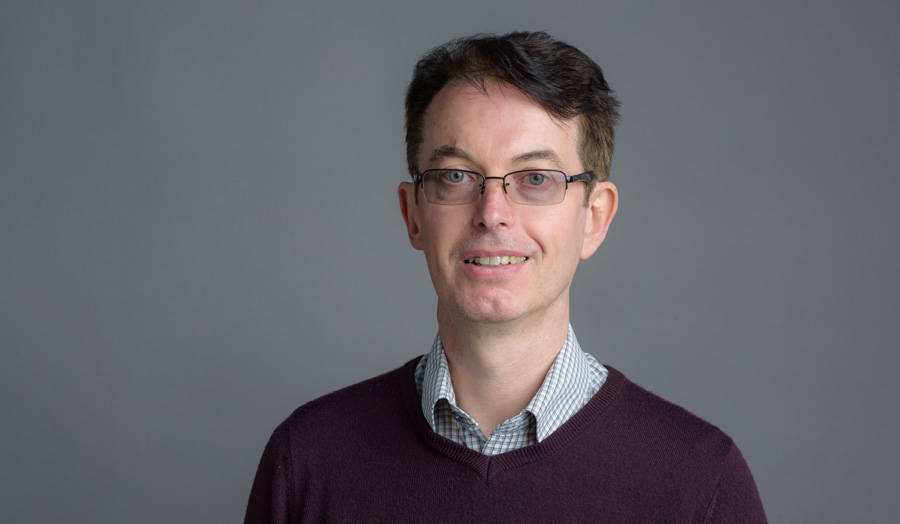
502,255
553,74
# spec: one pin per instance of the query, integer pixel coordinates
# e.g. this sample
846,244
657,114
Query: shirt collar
436,384
564,390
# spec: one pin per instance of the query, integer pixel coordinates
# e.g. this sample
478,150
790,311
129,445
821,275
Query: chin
489,312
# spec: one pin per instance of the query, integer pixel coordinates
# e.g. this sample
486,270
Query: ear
409,207
600,211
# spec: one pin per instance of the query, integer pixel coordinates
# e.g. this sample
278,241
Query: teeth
496,260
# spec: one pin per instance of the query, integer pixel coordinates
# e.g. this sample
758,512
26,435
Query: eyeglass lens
453,186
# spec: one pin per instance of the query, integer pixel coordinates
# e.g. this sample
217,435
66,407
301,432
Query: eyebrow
450,152
538,154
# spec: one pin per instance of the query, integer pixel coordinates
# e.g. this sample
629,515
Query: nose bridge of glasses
502,180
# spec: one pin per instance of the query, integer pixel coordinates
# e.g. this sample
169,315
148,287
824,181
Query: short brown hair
555,75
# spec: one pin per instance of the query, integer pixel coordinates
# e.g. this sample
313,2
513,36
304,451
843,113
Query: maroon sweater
366,454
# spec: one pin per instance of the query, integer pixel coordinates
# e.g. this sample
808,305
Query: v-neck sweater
366,453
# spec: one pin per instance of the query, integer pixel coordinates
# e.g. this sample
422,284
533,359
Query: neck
497,368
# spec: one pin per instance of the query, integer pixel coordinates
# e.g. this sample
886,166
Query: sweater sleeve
735,499
271,495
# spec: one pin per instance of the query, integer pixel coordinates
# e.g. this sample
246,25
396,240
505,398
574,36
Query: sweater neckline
488,466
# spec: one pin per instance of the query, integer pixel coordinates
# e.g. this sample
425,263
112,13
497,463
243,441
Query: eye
536,179
455,177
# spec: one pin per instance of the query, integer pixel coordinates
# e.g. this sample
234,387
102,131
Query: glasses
533,187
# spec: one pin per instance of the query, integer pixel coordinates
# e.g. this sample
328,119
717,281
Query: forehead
494,126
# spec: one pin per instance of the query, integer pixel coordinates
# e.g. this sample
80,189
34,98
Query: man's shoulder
376,400
649,418
680,461
371,393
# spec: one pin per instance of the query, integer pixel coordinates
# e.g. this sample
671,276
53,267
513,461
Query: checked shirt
573,378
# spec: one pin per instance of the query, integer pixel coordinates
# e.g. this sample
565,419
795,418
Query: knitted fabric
366,454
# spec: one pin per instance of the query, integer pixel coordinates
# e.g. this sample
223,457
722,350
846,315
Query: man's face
495,134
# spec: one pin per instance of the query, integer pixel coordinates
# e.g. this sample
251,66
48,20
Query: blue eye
455,177
536,179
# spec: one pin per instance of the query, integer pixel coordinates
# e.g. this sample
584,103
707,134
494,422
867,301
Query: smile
495,261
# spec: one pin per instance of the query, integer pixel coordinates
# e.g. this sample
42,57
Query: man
506,419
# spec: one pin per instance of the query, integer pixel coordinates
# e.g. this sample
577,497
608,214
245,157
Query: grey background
199,232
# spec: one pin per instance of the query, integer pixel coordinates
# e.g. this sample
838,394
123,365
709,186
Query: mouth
495,261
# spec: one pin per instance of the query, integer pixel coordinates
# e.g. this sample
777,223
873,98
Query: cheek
560,238
438,235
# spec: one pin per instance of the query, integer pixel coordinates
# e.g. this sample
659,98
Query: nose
494,209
